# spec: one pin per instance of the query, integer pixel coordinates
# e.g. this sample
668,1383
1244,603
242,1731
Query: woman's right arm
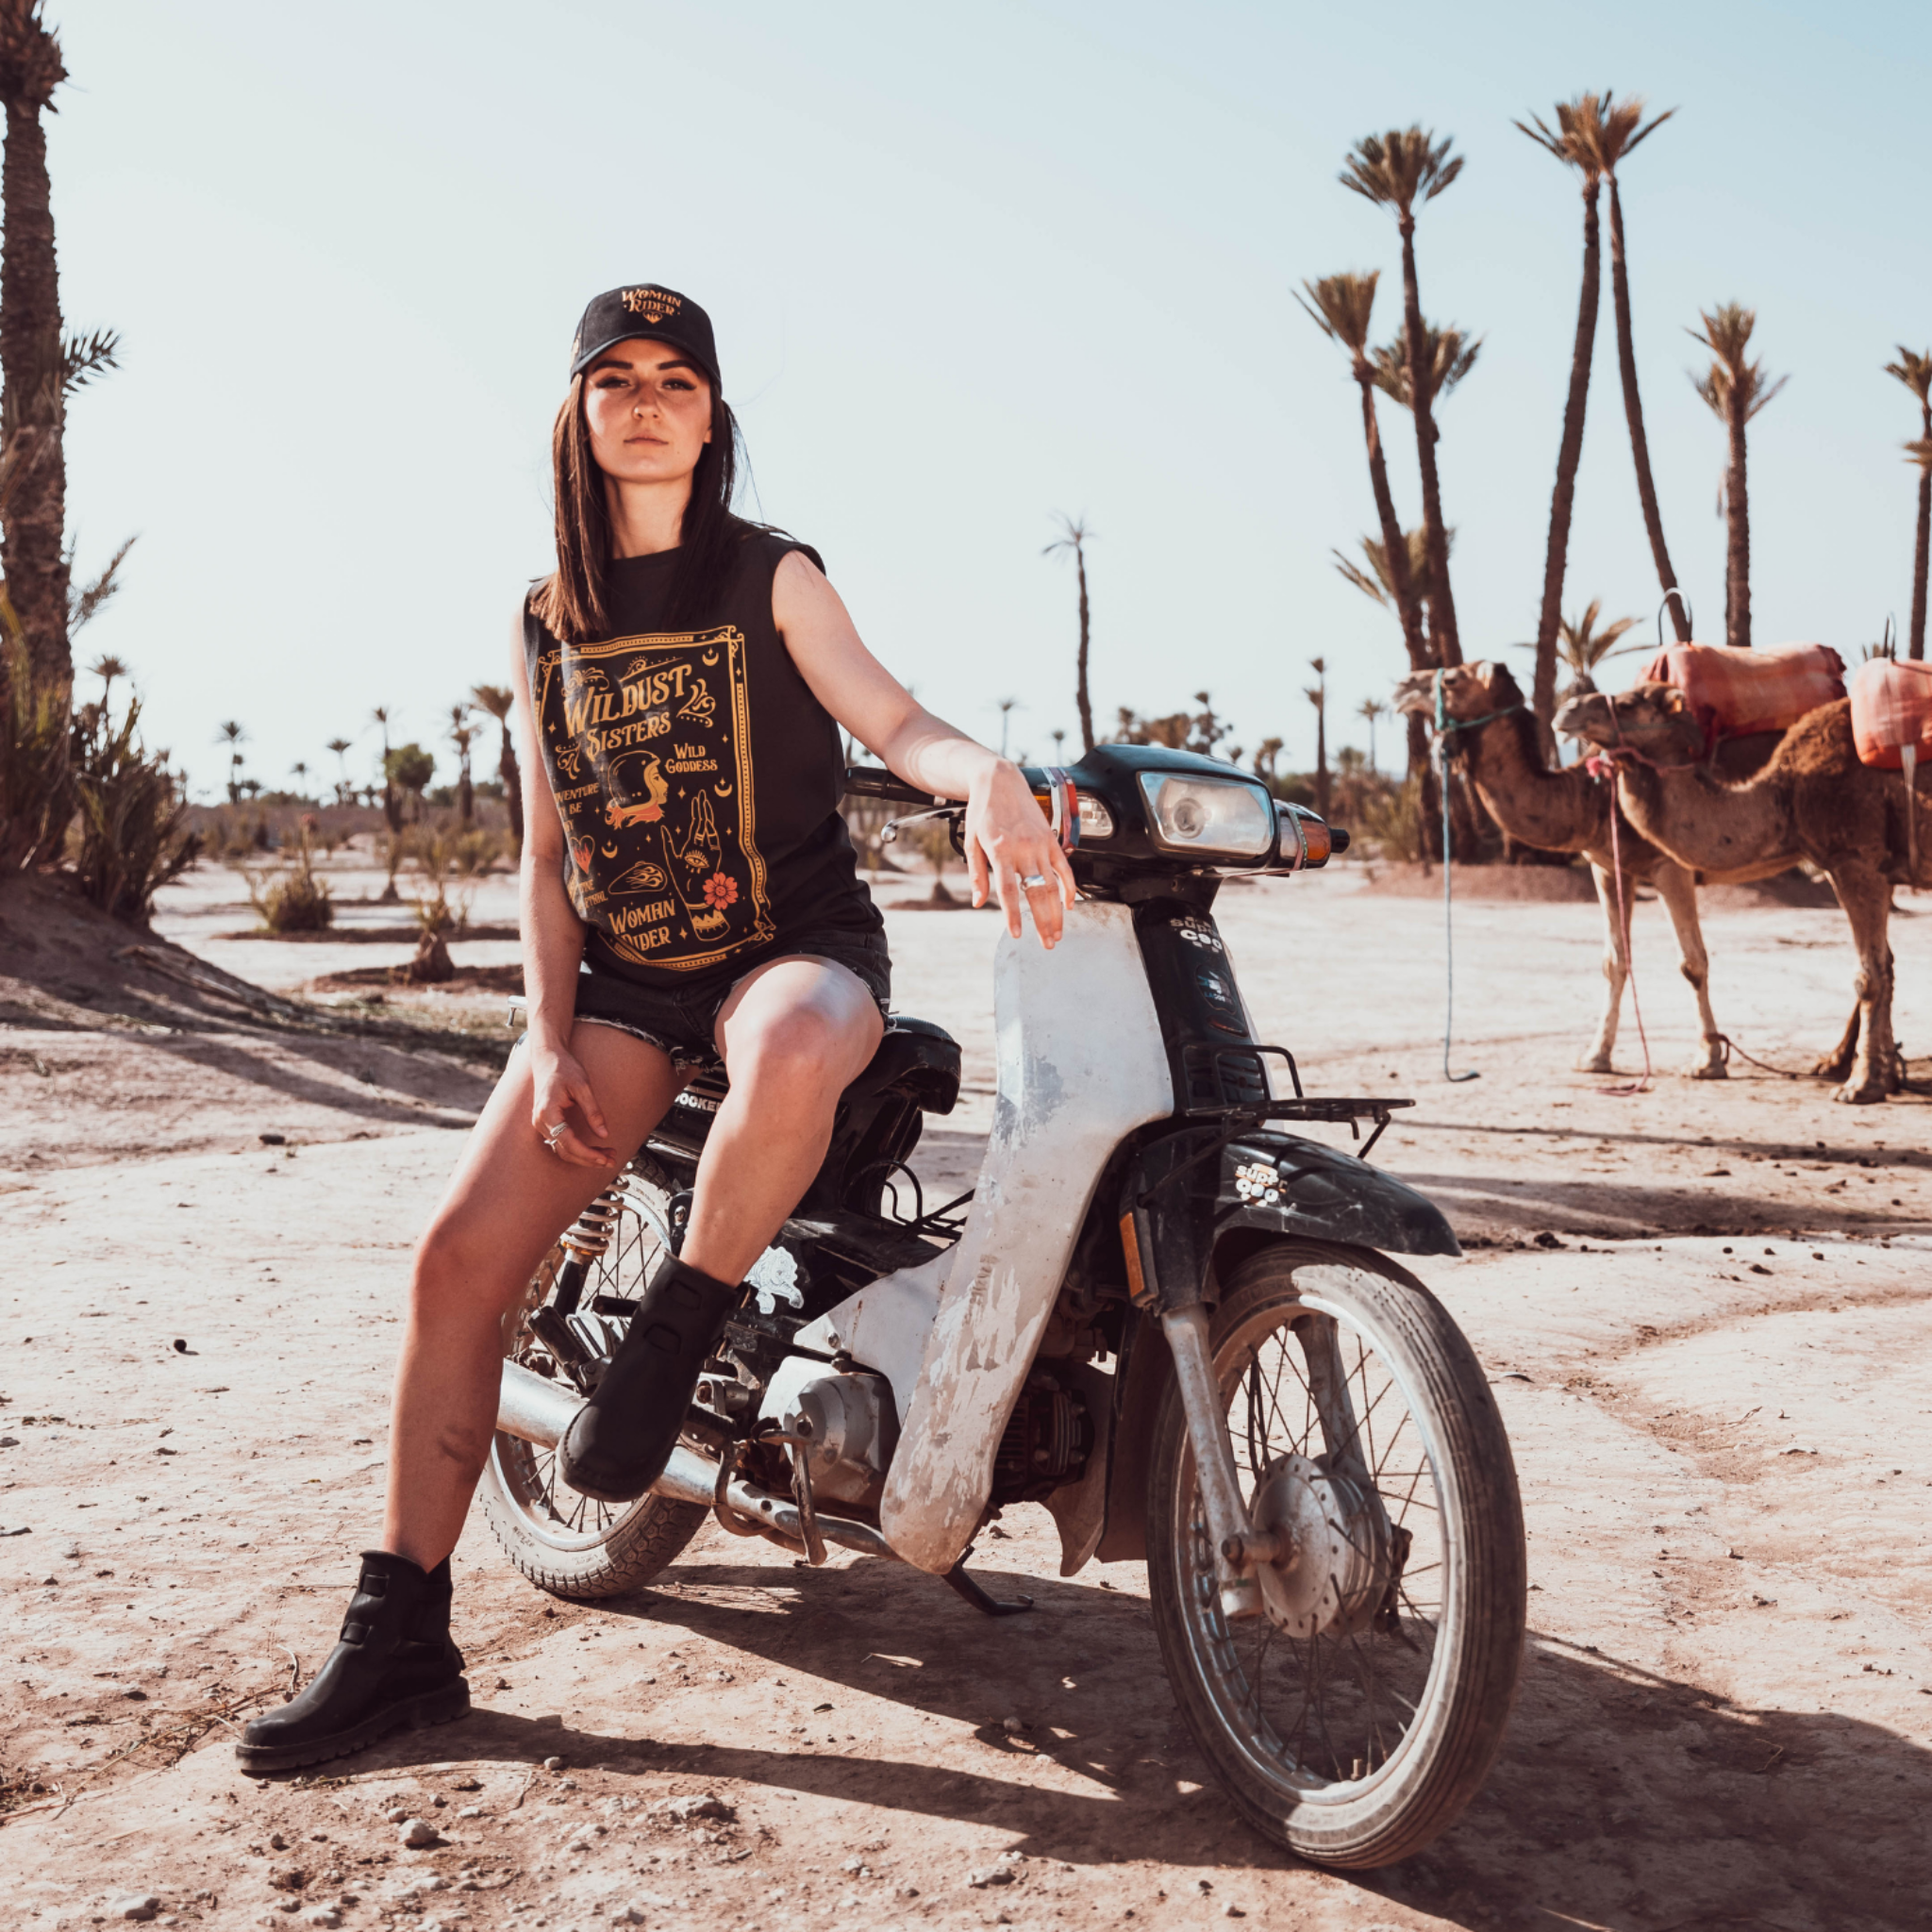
553,945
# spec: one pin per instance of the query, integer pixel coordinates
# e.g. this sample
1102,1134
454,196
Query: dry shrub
1393,821
130,837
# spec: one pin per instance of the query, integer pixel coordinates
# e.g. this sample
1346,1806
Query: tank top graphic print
697,779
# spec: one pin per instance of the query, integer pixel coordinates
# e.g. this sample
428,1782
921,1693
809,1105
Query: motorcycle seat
917,1058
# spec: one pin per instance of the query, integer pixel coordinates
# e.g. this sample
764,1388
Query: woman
688,890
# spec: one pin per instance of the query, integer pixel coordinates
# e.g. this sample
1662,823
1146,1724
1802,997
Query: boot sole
604,1492
432,1707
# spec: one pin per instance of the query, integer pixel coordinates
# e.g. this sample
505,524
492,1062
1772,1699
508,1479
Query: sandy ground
1704,1308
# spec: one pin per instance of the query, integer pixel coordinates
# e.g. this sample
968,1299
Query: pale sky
968,267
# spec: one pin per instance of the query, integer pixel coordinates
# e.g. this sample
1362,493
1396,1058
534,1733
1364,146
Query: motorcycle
1159,1313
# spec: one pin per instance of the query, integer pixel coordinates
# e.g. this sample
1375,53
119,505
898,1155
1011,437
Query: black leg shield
394,1667
618,1444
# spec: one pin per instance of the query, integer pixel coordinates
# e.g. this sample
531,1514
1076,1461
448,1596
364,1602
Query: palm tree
234,735
299,772
1342,307
35,362
1576,142
1075,536
1006,707
391,798
1914,369
1582,647
1618,130
344,793
1372,708
1398,170
1317,694
1448,354
1734,389
106,667
462,735
497,701
1378,581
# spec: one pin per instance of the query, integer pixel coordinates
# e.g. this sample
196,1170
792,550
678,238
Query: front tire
1358,1745
565,1542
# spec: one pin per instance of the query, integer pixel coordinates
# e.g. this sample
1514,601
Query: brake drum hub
1340,1551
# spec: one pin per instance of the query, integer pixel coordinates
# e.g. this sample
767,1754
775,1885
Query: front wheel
1359,1712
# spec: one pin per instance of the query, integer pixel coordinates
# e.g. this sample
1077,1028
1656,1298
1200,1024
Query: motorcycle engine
1047,1441
851,1425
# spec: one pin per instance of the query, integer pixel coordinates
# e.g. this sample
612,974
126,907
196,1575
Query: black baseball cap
656,314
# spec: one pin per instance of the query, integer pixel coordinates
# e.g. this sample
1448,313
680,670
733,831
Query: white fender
1081,1065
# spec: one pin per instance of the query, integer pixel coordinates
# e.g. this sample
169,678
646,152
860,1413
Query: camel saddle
1732,692
1891,707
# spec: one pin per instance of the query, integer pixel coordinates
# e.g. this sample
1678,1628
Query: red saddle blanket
1733,692
1891,707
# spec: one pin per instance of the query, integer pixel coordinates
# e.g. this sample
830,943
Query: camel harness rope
1446,729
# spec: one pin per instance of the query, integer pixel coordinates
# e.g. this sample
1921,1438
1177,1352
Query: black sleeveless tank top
697,777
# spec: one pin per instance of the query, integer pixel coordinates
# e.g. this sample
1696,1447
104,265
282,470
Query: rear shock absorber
587,1239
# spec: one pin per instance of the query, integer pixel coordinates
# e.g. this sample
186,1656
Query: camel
1570,811
1811,800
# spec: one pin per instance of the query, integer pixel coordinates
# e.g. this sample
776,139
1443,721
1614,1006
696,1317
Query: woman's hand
564,1111
1011,851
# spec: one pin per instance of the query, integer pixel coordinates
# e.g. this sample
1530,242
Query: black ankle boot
618,1444
394,1667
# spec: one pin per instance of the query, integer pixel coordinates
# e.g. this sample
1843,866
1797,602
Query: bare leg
1599,1058
1678,890
506,1203
1866,897
794,1035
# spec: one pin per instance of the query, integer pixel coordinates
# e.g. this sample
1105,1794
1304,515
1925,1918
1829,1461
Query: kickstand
957,1579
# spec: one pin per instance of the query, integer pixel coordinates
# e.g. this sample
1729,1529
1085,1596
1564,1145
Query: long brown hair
570,601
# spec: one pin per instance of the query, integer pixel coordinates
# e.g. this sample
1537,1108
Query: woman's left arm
1008,836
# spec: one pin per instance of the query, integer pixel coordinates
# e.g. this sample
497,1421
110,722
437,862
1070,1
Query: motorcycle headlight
1223,815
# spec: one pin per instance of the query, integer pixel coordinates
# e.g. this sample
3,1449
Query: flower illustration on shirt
721,890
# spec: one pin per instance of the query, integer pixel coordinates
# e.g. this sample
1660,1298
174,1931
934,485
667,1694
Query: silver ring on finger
1034,880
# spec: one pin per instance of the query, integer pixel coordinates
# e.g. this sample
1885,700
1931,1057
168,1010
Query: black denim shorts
682,1019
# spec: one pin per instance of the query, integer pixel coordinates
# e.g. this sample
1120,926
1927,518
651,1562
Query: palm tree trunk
1082,697
1737,530
1562,499
1633,414
1442,604
1917,647
512,784
32,549
1321,757
1394,546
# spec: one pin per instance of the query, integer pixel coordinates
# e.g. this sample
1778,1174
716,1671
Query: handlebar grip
875,781
1338,839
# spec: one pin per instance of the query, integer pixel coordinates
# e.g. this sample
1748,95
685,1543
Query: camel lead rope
1448,925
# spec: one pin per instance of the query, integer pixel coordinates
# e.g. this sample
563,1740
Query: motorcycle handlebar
875,781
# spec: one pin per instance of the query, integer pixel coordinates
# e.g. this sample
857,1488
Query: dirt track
1713,1381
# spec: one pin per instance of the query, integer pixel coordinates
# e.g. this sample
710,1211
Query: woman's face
649,412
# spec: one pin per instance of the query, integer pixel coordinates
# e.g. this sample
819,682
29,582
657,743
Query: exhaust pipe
536,1410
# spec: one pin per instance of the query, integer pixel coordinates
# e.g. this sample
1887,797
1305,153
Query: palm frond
83,357
1341,306
1726,333
1914,369
1400,168
1449,355
86,602
1919,451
